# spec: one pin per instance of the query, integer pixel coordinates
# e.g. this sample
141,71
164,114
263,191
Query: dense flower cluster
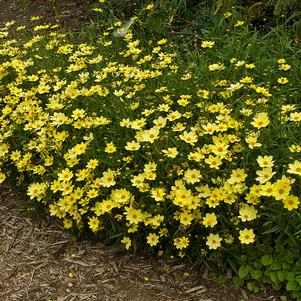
117,135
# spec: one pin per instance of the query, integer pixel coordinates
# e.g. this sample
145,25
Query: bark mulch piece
39,261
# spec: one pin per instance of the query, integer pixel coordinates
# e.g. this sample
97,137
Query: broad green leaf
266,260
256,274
238,282
281,276
291,286
243,271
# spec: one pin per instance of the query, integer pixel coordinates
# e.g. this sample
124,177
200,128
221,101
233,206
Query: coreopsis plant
122,138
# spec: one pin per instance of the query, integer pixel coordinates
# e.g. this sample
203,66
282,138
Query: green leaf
281,275
290,276
238,282
289,258
275,266
256,289
273,277
291,286
251,286
266,260
256,274
243,271
298,279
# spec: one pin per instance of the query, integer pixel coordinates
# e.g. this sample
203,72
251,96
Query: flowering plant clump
126,140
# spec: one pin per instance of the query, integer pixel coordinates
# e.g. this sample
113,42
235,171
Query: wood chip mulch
39,261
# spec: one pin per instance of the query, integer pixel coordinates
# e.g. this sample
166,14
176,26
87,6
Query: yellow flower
150,135
250,66
216,67
161,42
67,223
213,241
251,139
291,202
65,175
247,213
98,9
127,242
239,23
284,67
281,61
214,161
35,18
295,117
152,239
207,44
158,194
264,175
108,178
282,80
295,168
246,80
192,176
134,216
185,218
37,190
209,220
170,152
189,137
227,14
260,120
2,177
150,6
181,242
246,236
94,223
110,148
132,146
265,161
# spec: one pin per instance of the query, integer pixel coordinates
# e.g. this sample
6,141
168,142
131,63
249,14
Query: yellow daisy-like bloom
284,67
264,175
282,80
132,146
295,117
261,120
152,239
2,177
281,61
192,176
265,161
185,218
181,242
295,168
209,220
247,213
246,236
170,152
127,242
134,216
110,148
207,44
216,67
291,202
94,223
189,137
213,241
239,23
